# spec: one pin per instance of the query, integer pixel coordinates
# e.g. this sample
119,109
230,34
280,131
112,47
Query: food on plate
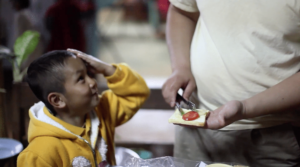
177,118
223,165
218,165
191,115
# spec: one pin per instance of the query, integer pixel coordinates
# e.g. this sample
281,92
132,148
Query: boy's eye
90,74
81,78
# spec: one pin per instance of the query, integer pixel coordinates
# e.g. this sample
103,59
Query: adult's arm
283,97
179,33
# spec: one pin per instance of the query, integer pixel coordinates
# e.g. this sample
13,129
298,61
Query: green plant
23,47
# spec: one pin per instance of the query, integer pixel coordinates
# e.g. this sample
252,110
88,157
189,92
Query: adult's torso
241,48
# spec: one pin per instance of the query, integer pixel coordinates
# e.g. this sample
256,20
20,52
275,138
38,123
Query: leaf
16,73
25,45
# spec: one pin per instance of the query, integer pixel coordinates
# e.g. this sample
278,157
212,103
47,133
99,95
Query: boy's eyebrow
78,72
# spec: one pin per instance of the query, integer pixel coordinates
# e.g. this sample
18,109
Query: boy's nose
92,83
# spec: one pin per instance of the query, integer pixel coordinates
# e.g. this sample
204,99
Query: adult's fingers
169,91
215,120
189,89
211,123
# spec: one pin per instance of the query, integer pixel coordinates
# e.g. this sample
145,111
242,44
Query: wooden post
2,123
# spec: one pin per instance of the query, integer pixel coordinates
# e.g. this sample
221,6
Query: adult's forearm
180,29
282,97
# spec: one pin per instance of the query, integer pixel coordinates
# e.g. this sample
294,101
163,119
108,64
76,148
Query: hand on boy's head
94,65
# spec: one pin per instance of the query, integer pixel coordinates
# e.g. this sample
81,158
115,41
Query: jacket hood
41,125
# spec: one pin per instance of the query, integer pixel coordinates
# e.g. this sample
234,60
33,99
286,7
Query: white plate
218,165
9,148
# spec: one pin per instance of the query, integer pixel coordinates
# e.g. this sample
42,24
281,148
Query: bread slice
176,118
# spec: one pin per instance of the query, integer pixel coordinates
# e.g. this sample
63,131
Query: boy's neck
78,121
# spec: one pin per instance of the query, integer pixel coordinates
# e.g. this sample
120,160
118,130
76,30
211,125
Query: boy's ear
56,100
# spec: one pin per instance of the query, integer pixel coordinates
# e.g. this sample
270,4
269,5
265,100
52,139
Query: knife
179,108
179,98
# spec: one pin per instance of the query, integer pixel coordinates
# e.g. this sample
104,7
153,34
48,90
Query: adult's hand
225,115
179,79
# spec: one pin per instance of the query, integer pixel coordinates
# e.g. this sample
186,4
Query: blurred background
130,31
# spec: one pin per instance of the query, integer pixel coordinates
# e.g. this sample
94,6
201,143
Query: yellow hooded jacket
52,145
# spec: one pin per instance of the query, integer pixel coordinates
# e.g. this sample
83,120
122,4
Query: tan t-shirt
241,48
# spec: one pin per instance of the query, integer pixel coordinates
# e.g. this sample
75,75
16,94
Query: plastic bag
154,162
167,162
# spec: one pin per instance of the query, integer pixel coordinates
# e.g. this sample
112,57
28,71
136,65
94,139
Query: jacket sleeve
30,159
127,93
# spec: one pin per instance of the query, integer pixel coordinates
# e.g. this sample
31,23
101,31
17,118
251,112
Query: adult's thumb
189,90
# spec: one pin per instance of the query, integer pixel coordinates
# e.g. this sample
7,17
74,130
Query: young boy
73,125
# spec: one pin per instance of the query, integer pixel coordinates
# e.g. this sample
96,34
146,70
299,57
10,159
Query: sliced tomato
191,115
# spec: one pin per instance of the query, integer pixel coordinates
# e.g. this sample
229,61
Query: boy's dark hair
44,75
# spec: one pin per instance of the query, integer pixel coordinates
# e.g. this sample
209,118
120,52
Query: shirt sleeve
186,5
127,93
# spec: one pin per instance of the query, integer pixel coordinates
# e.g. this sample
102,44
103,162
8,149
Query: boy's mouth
95,92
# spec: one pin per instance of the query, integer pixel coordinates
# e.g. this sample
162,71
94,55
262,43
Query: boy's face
81,93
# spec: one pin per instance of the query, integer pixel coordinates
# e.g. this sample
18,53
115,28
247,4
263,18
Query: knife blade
179,98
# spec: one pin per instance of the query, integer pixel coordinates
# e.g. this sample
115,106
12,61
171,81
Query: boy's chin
95,103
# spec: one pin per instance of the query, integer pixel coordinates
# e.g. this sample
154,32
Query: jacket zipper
94,154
